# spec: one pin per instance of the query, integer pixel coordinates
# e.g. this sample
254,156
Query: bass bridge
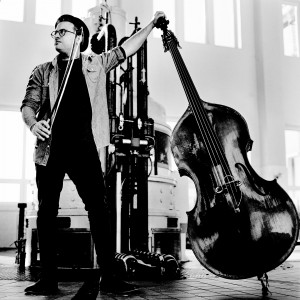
230,191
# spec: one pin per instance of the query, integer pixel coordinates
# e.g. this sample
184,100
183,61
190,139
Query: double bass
241,225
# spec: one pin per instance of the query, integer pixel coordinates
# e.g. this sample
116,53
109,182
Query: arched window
16,162
195,21
12,10
227,23
290,25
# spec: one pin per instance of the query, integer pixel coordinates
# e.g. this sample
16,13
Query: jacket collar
84,58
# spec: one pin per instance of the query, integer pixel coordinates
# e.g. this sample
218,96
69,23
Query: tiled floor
284,283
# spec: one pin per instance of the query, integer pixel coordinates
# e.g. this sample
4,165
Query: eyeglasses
60,32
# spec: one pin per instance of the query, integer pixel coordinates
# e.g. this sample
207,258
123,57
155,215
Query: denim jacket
42,90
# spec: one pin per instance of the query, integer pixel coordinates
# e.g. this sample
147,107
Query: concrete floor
197,283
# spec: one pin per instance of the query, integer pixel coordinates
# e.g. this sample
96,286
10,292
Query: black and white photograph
150,149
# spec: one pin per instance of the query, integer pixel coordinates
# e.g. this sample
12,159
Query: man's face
64,44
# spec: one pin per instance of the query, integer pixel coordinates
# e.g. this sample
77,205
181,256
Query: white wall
257,80
291,91
23,46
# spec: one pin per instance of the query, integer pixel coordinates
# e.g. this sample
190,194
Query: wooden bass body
241,241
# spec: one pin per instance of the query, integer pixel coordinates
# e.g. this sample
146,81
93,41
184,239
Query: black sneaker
88,291
42,287
116,286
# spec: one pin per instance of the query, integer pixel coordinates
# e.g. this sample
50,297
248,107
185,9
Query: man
68,142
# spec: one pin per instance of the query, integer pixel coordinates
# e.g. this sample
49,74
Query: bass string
189,91
210,139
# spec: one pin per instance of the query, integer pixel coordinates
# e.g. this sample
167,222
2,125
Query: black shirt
72,125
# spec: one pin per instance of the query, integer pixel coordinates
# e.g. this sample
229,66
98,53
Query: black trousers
83,166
